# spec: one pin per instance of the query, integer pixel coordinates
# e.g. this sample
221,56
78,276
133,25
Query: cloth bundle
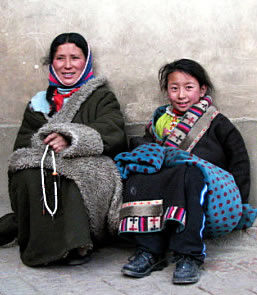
225,210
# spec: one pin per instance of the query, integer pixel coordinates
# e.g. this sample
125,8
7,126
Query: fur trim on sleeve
85,141
97,178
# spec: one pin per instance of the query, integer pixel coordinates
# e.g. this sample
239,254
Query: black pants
189,241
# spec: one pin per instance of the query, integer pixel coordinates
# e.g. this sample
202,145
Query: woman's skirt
42,238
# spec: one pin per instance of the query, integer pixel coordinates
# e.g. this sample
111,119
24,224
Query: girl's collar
172,111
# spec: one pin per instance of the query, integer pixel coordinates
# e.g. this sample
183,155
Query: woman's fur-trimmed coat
93,124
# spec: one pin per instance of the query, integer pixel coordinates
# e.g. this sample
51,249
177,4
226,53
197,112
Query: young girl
188,176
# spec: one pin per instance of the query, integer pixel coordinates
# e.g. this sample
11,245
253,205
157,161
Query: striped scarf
193,114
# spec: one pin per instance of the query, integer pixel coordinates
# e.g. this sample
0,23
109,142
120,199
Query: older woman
64,187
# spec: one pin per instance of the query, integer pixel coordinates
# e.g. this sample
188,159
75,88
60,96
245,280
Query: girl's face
184,90
69,62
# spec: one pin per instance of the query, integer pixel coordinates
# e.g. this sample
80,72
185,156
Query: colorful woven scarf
86,74
192,115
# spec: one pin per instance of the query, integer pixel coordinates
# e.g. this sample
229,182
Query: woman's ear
203,90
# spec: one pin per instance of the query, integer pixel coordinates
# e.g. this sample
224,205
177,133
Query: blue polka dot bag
225,210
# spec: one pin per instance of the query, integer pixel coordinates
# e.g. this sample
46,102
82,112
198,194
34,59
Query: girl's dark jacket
221,144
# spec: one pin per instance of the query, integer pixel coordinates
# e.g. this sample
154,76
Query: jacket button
133,191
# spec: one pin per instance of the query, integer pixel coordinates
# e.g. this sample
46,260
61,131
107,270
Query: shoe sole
158,266
74,262
185,280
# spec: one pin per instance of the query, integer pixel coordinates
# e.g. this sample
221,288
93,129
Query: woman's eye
173,88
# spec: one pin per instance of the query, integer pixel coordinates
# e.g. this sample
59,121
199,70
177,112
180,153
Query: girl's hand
56,141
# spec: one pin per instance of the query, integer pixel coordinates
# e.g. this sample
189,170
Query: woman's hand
56,141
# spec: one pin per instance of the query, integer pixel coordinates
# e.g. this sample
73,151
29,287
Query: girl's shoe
143,263
187,271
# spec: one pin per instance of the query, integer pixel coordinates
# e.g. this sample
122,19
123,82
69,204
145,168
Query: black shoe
74,258
142,264
187,271
8,228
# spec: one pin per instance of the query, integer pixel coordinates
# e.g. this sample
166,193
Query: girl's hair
187,66
61,39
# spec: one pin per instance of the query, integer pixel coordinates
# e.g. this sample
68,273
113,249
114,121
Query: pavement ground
230,269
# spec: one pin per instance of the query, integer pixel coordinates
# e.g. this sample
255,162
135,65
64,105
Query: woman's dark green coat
89,194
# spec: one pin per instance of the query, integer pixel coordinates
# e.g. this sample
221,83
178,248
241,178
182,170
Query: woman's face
69,62
184,90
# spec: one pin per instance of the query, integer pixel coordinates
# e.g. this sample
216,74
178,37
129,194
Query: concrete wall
130,40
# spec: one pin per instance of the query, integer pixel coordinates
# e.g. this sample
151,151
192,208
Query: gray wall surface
130,41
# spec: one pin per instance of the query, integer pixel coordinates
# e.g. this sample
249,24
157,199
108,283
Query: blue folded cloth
146,159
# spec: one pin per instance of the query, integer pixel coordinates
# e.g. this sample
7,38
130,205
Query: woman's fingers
56,141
